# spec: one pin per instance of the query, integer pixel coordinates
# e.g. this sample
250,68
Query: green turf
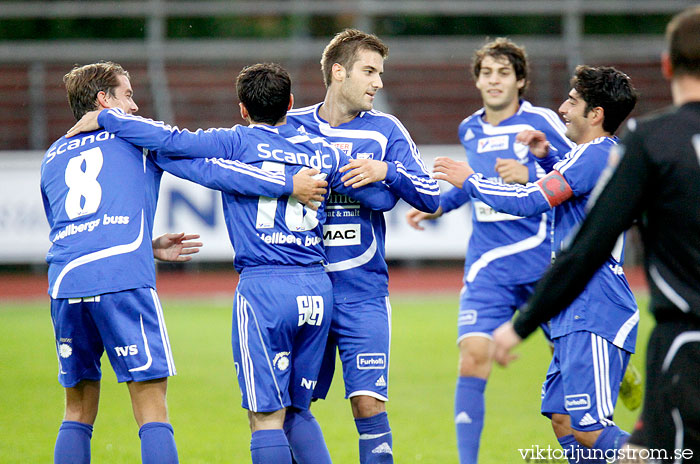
204,399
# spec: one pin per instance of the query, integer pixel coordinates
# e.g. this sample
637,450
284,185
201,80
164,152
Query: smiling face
573,110
498,83
122,96
362,81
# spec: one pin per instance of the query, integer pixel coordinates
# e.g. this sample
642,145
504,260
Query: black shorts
670,419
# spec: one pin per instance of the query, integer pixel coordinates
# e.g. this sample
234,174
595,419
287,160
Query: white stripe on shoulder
407,136
304,110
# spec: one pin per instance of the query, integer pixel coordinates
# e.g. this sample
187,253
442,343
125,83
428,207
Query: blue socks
576,453
158,443
609,441
469,417
270,446
305,437
611,438
73,443
375,439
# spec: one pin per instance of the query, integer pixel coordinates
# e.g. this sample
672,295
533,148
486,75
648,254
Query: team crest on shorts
65,350
281,360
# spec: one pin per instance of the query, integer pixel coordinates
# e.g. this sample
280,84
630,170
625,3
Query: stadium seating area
430,99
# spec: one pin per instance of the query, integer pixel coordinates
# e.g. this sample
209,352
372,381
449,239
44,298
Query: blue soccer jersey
263,230
100,236
506,248
607,306
354,234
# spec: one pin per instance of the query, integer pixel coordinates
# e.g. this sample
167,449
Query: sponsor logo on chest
341,234
496,143
345,147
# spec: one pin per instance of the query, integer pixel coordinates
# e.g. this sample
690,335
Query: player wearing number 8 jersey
99,195
284,299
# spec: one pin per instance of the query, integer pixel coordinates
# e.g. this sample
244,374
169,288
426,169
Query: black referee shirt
657,182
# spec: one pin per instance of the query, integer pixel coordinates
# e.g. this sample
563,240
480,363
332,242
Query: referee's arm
620,202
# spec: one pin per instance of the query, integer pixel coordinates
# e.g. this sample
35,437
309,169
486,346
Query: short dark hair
608,88
264,89
683,39
503,48
343,48
83,83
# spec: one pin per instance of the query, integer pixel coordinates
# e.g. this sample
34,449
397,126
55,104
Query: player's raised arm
407,175
169,140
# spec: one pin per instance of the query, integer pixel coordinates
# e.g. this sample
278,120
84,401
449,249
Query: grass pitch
204,399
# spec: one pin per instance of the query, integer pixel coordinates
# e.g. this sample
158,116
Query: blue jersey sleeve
519,200
407,176
375,196
583,167
228,176
169,140
453,199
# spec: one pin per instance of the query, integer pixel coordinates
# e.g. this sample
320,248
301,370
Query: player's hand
511,171
454,172
414,217
536,140
360,172
308,189
175,247
87,123
505,339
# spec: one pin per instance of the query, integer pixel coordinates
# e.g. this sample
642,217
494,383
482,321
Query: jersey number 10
297,217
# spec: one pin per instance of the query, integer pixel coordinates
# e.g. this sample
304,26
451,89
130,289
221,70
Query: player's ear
666,68
291,102
244,111
102,100
338,72
596,115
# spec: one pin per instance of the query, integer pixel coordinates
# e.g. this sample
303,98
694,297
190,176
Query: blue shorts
281,318
129,325
361,333
485,305
583,380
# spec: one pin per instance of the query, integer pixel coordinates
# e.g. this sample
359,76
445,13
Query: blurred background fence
183,57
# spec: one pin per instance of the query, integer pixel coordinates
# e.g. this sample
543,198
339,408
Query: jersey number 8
83,183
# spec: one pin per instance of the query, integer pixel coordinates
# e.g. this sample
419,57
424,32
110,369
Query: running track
427,280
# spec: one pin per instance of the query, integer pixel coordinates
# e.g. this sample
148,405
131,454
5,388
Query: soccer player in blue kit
381,150
506,254
100,196
595,336
280,326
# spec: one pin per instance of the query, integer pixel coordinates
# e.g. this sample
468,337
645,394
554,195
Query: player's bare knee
561,424
366,406
266,420
475,358
82,402
587,439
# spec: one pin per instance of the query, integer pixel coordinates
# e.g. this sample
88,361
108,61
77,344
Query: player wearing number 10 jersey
284,299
